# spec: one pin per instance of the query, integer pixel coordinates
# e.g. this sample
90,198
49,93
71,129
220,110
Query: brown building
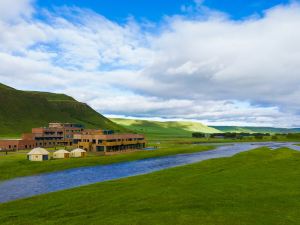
107,141
57,134
69,134
16,144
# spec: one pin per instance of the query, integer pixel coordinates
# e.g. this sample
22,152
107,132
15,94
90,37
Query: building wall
77,154
35,157
17,144
61,155
107,143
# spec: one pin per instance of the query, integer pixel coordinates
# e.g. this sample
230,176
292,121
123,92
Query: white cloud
206,68
12,10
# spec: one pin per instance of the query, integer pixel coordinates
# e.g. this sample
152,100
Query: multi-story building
108,141
56,134
69,134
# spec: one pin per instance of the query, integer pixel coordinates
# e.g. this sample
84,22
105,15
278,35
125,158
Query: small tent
78,152
61,154
38,154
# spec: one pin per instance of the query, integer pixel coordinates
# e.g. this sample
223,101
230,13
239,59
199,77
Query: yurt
38,154
61,154
78,152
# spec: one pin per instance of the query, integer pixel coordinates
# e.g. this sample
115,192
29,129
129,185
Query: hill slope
22,110
256,129
175,128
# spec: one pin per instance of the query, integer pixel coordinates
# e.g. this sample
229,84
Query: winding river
28,186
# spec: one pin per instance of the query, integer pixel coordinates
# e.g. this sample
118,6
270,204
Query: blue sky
218,62
154,10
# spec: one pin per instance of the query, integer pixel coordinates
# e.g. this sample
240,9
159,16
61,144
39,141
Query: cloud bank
200,66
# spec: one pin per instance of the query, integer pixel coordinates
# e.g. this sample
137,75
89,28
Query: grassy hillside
174,128
22,110
256,129
259,187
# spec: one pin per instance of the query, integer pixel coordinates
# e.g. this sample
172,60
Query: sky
230,62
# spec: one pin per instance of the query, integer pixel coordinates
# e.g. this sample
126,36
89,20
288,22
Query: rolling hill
174,128
256,129
22,110
184,128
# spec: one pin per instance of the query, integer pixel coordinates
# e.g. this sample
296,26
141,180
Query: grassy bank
15,164
258,187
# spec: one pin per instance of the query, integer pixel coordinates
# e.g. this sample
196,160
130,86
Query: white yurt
61,154
78,152
38,154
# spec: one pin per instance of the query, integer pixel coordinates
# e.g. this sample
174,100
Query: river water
28,186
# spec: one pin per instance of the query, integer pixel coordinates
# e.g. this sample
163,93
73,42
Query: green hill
174,128
22,110
184,128
256,129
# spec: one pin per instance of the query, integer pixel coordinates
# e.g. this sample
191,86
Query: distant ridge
246,129
174,128
185,128
22,110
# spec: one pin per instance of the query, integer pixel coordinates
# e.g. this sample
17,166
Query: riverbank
15,164
260,186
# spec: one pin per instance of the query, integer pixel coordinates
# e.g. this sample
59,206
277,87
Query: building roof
78,150
61,151
38,151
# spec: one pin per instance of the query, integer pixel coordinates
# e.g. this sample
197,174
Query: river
28,186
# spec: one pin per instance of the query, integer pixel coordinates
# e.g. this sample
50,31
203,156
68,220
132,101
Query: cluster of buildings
41,154
75,135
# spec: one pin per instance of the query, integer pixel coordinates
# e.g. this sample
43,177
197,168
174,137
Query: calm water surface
50,182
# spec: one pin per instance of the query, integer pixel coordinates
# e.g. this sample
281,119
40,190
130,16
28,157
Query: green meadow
164,130
15,164
258,187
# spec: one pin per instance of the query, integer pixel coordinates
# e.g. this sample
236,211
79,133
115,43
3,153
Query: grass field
15,164
163,130
258,187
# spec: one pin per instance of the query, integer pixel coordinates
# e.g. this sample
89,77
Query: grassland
15,164
22,110
259,187
163,130
185,128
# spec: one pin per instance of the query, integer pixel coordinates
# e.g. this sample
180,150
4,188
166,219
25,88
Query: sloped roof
38,151
62,151
78,150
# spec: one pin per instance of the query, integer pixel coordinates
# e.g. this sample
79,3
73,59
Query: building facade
16,144
70,134
107,141
56,134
